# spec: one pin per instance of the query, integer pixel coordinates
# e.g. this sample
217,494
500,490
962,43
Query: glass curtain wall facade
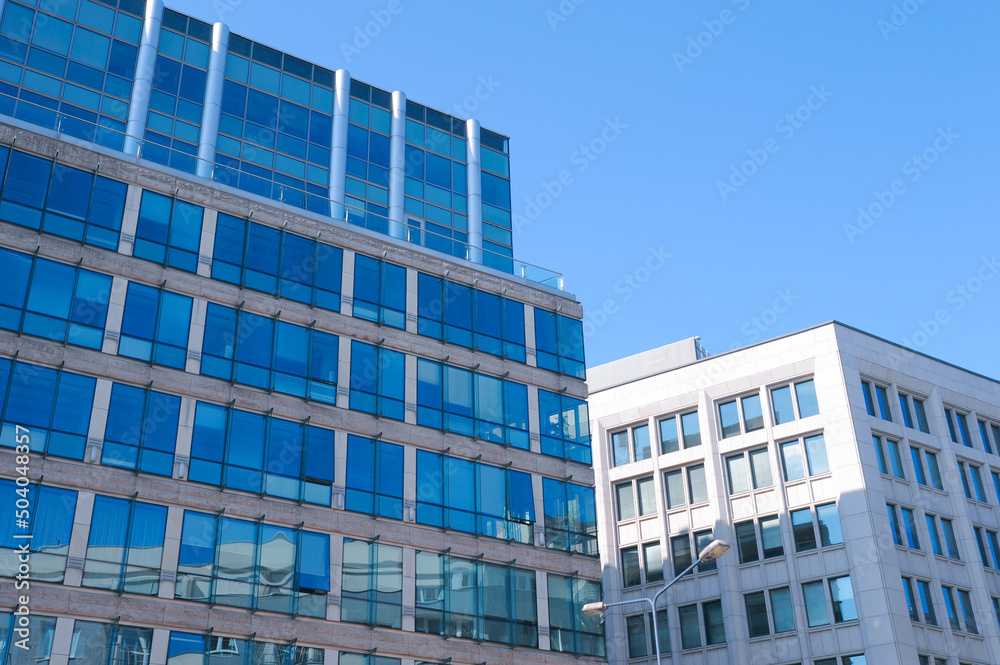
138,77
222,428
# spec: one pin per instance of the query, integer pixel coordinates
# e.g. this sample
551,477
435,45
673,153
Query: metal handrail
288,193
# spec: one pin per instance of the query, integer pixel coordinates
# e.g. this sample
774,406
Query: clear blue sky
833,100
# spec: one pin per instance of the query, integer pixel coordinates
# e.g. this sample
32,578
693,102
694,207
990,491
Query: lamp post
714,550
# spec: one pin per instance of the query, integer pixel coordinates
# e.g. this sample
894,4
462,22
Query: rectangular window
55,404
968,614
652,560
474,497
463,402
965,479
757,614
47,534
469,317
935,537
631,445
690,626
378,380
261,454
933,470
559,343
58,302
981,545
918,468
866,389
631,575
949,604
817,612
760,471
949,538
372,591
697,489
565,426
883,403
125,546
675,429
894,524
887,451
379,291
216,565
746,541
803,530
374,483
985,436
570,630
747,410
141,430
828,520
950,418
702,539
911,604
909,525
904,408
770,537
977,483
80,206
276,262
168,231
715,627
626,499
680,553
963,428
921,413
781,610
994,548
570,517
270,354
155,326
804,400
926,602
635,626
802,457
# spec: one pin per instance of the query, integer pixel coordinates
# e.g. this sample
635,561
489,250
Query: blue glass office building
286,395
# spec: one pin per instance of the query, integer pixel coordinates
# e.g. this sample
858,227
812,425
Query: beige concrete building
858,483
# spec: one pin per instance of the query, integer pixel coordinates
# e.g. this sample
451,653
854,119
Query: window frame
684,440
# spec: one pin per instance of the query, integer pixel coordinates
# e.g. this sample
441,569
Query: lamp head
714,550
595,609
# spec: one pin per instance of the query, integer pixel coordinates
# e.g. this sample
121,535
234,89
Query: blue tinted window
559,343
55,405
125,547
269,354
379,291
261,454
474,497
168,231
374,483
565,428
278,263
470,317
141,431
472,404
46,531
377,380
570,517
155,326
217,565
372,585
53,300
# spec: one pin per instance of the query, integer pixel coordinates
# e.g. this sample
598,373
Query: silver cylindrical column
142,87
338,155
211,111
397,163
474,168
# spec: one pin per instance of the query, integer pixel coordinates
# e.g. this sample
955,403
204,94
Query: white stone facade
869,618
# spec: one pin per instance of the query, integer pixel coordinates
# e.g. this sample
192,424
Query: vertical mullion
246,253
128,543
48,194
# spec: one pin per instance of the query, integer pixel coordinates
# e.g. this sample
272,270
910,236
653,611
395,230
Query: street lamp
714,550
